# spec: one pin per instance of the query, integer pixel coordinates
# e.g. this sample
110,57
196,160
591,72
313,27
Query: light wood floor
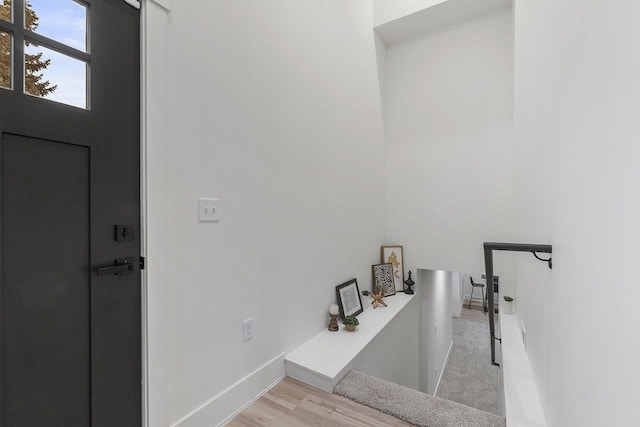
292,403
476,312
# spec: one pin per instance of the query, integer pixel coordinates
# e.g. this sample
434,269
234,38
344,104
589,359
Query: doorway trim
154,26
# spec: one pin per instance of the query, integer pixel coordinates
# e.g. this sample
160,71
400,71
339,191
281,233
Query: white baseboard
222,408
444,366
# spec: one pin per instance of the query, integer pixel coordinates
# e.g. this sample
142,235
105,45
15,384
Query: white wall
577,97
448,123
435,290
274,108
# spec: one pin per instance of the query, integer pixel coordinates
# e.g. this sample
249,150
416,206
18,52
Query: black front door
70,207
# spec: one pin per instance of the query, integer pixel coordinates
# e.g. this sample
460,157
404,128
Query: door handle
121,266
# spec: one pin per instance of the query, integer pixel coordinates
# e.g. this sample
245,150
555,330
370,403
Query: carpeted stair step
411,405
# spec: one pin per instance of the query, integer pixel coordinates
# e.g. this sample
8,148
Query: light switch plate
247,329
209,210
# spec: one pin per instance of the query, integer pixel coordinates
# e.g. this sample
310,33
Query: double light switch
209,210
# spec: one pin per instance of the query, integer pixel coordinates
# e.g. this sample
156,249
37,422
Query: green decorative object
350,323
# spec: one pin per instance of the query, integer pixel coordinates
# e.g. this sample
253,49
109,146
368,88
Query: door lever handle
121,266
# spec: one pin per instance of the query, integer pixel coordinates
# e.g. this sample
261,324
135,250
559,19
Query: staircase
411,405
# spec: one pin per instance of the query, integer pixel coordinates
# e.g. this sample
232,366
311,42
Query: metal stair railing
489,247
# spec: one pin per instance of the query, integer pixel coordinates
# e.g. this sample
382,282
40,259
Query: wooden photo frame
348,295
393,255
382,276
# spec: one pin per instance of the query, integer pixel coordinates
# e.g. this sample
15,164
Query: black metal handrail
489,247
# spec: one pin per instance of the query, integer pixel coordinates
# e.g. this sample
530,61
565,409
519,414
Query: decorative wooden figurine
377,298
409,282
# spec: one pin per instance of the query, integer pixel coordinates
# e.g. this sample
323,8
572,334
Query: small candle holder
333,315
333,322
409,282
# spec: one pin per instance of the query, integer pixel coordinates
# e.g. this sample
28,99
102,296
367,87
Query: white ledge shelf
327,357
521,400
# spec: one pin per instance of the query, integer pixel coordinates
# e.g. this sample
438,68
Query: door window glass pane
64,21
5,59
54,76
5,10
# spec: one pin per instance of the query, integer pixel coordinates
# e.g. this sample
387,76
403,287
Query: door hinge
133,3
142,262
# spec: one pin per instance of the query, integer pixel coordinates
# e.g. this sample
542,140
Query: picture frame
393,255
382,275
348,295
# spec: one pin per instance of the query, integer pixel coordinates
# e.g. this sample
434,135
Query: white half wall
435,290
448,124
395,355
577,98
274,108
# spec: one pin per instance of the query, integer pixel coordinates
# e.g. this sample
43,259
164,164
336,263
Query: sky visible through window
64,21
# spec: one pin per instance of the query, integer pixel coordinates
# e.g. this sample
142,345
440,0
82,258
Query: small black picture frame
348,295
382,277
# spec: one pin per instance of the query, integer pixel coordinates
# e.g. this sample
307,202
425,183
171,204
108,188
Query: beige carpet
469,377
411,405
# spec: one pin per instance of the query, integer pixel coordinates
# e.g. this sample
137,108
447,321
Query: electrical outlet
247,329
435,329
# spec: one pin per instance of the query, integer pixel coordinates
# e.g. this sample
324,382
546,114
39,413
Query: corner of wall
157,307
381,53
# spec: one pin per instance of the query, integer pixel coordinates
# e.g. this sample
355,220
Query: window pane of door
54,76
5,10
5,59
64,21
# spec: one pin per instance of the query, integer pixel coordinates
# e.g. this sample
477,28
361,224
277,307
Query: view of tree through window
5,47
5,60
5,11
34,82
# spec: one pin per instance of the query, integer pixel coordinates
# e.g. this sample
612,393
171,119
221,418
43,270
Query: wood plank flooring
476,312
292,403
